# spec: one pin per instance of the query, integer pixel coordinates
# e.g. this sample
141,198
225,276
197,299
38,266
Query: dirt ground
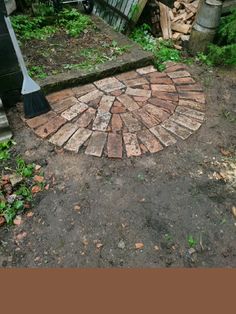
98,209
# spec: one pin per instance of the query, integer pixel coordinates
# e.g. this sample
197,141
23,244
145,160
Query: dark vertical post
10,74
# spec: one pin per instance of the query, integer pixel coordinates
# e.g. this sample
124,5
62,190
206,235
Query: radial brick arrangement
129,114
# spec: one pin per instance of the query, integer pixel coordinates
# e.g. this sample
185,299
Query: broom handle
16,46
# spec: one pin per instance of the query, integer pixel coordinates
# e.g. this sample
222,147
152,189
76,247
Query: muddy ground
98,208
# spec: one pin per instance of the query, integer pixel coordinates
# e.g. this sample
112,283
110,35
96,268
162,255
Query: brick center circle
129,114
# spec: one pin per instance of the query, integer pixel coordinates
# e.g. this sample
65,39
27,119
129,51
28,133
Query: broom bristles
35,104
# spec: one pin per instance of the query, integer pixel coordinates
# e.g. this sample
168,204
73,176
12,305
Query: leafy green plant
24,169
163,50
5,149
37,72
191,241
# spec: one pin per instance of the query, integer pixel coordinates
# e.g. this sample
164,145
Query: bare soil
97,209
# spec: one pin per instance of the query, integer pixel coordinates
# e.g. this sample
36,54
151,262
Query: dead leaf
225,152
139,245
30,214
156,247
2,221
17,221
234,211
39,179
99,245
35,189
77,208
37,167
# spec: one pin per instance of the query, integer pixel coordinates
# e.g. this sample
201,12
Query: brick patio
125,115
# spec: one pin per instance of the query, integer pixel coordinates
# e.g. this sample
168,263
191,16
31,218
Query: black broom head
35,104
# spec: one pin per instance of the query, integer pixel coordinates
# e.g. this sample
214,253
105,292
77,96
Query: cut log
165,21
181,28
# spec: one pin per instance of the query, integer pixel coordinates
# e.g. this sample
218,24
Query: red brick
178,74
152,77
159,114
131,145
198,115
160,80
150,141
146,70
186,122
140,99
118,107
40,120
78,139
175,67
147,119
146,87
64,104
63,134
114,145
109,84
138,92
192,104
95,102
74,111
127,76
116,122
84,89
183,80
196,96
117,92
190,87
96,144
86,118
101,121
128,102
166,96
166,105
176,129
50,127
132,123
106,103
163,136
136,82
58,96
91,96
163,88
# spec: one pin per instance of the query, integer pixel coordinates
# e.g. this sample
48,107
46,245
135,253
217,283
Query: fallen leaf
225,152
2,220
77,208
156,247
36,189
37,167
234,211
17,221
39,179
30,214
99,245
139,245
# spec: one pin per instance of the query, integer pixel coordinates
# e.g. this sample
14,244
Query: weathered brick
131,145
91,96
189,87
63,134
163,136
106,103
40,120
160,80
101,121
95,102
178,74
86,118
190,113
150,141
146,70
163,88
117,92
96,144
118,107
159,114
147,119
64,104
166,105
84,89
78,139
153,77
136,82
132,123
196,96
127,76
128,102
187,122
74,111
114,145
146,87
166,96
175,67
140,99
138,92
58,96
116,123
192,104
109,84
50,127
183,80
176,129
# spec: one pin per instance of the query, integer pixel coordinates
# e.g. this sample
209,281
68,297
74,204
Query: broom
35,103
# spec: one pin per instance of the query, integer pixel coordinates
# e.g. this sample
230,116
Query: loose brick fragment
187,122
106,103
176,129
114,145
146,70
128,102
74,111
131,145
40,120
78,139
190,113
178,74
50,127
58,96
150,141
63,134
84,89
101,121
86,118
96,144
138,92
163,136
132,123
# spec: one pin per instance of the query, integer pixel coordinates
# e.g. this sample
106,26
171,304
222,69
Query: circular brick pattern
125,115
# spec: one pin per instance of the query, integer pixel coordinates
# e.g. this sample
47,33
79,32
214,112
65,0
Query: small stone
17,221
139,245
77,208
39,179
191,251
11,198
121,245
234,211
37,167
15,179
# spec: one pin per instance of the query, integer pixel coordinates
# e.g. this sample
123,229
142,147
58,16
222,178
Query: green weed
37,72
191,241
5,150
24,169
